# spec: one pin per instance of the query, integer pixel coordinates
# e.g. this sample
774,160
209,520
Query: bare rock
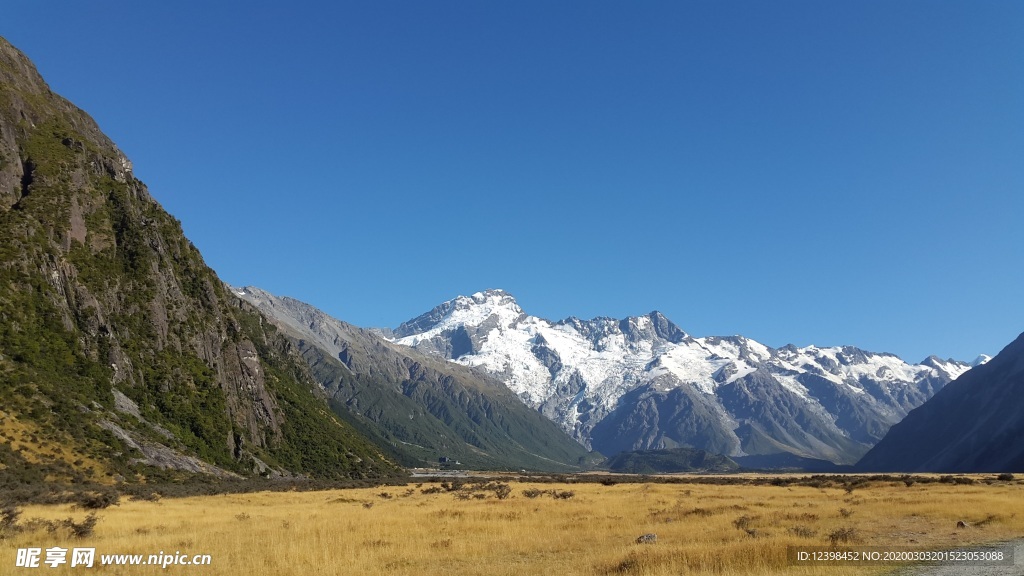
647,539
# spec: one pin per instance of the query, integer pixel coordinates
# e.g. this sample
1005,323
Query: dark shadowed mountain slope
668,461
419,407
121,352
974,424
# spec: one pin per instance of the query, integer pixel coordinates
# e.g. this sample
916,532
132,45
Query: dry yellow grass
701,529
31,442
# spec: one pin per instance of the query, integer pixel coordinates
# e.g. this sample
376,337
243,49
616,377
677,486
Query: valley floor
498,527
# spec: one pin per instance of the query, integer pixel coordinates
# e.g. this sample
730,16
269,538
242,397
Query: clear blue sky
794,171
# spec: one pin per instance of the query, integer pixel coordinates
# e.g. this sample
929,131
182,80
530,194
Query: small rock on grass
647,539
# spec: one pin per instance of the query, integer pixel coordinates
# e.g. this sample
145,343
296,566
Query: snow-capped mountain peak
642,382
492,305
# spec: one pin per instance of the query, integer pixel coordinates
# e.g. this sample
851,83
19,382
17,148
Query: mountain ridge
453,411
644,383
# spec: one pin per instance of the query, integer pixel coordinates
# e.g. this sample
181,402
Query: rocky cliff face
642,383
974,424
116,338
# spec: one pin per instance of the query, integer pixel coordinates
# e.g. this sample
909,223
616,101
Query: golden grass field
701,528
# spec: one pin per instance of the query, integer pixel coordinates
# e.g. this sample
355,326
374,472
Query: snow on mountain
641,372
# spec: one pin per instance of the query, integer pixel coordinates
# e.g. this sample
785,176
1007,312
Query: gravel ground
1016,570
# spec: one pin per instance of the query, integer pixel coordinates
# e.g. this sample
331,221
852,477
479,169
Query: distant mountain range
974,424
418,407
642,383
